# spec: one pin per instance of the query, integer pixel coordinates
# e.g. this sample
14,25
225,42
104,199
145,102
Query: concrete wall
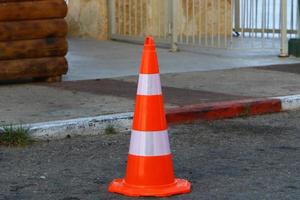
88,18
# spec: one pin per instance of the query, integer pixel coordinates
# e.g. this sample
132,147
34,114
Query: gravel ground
246,158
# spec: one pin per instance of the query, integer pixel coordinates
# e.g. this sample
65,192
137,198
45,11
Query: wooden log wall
33,41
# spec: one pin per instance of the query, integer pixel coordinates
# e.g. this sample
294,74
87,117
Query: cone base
180,186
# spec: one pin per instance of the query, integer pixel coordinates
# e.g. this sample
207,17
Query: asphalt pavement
242,158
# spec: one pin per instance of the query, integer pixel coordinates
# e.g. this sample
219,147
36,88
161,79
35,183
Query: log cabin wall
33,41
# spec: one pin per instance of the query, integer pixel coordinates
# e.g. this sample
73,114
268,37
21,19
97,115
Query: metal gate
265,23
232,24
133,19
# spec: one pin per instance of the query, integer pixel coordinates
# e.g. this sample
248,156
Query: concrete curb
222,110
289,102
80,126
207,111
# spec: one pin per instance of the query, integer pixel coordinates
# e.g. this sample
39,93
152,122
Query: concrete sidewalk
41,102
91,59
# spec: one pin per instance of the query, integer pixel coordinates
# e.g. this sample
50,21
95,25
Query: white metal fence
207,23
265,23
133,19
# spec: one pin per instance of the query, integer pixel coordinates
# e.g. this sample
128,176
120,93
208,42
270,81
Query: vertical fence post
283,29
298,19
237,15
111,17
173,24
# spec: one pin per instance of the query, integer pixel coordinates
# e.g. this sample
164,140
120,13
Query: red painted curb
222,110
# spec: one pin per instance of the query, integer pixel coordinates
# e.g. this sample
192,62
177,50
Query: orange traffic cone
149,167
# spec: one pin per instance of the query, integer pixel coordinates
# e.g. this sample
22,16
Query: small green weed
110,130
14,136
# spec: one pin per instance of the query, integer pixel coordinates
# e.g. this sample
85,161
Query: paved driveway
246,158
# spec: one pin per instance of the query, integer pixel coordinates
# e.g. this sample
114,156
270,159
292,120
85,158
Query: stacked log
33,39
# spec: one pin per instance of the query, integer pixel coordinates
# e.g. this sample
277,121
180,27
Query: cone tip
149,41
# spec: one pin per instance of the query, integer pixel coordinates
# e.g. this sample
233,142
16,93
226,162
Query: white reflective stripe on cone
149,84
149,143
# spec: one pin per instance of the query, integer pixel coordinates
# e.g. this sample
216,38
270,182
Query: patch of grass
110,130
15,136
